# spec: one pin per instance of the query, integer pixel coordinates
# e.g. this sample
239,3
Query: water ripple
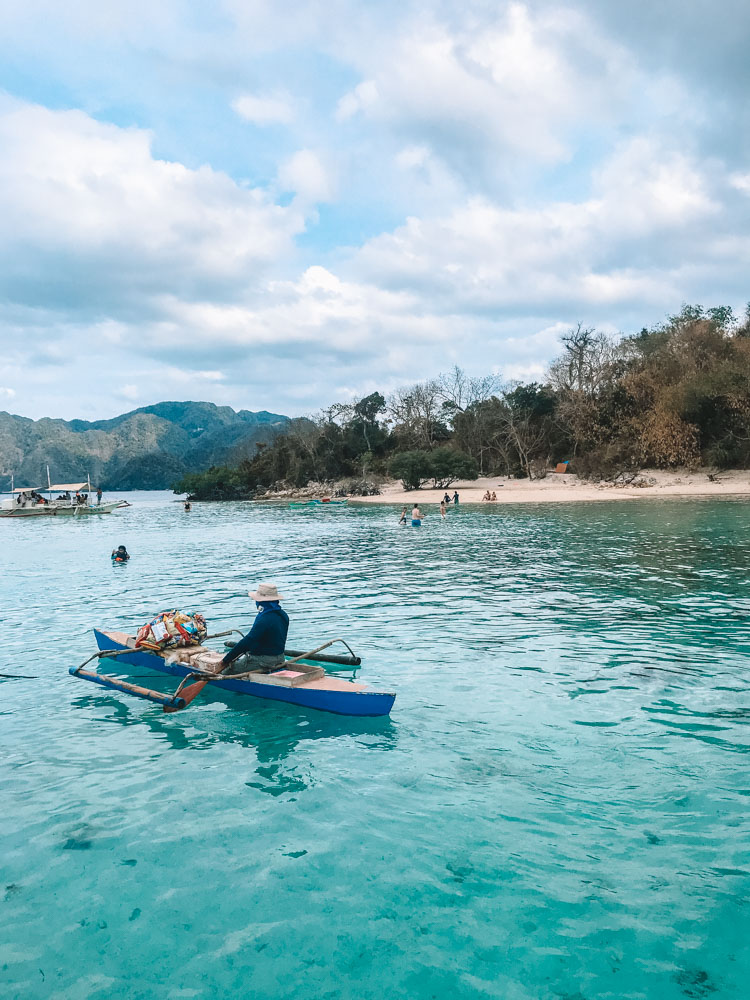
556,809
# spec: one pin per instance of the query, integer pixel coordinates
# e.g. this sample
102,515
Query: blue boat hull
360,703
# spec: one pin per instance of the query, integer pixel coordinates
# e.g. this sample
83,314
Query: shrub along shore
673,397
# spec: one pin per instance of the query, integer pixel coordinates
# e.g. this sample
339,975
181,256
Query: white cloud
308,177
412,156
610,250
264,110
6,392
89,209
364,96
741,182
513,81
649,186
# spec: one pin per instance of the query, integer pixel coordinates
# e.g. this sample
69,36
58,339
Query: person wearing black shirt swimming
262,649
120,554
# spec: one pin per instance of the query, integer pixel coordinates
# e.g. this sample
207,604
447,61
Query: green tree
413,468
447,465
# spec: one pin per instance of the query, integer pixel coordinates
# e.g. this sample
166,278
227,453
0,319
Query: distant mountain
148,448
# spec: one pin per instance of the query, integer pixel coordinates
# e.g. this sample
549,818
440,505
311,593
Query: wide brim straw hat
266,592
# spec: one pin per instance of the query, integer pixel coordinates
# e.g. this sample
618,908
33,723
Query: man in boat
262,649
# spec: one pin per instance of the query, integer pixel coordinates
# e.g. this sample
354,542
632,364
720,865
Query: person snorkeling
120,554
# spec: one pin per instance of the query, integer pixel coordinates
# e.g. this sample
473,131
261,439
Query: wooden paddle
189,693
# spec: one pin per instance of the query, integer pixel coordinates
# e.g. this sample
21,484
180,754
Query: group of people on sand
490,496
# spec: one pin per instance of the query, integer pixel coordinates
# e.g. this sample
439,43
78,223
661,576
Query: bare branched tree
416,412
462,390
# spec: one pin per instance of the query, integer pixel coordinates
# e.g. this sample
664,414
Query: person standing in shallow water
416,516
442,509
262,648
402,519
455,496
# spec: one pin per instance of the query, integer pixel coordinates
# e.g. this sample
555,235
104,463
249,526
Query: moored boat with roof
70,501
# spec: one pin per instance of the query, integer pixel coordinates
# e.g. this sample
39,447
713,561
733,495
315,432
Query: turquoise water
558,806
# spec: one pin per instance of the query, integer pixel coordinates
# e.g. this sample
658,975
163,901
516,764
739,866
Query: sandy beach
565,488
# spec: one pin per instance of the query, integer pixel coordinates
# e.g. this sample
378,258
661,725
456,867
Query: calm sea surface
557,807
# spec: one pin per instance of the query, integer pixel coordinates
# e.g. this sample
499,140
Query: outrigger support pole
170,700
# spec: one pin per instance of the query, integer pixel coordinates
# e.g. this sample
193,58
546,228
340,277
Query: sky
278,205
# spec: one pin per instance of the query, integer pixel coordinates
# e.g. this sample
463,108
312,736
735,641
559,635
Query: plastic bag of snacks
170,629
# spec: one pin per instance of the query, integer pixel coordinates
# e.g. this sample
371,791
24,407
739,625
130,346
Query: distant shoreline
566,488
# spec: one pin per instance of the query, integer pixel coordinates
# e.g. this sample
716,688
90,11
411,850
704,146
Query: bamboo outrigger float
302,680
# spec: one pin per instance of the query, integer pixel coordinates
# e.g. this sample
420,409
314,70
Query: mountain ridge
146,448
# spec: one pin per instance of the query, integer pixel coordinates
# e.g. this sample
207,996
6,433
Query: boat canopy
66,487
27,489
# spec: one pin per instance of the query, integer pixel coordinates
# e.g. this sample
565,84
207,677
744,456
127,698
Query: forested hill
147,448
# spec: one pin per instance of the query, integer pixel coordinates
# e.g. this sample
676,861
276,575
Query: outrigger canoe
301,681
316,503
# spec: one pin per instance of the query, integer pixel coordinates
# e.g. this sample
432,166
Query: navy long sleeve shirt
267,637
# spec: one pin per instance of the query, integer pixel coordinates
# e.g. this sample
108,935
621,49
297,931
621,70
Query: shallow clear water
558,806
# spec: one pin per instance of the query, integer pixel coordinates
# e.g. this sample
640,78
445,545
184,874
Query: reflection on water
557,807
273,731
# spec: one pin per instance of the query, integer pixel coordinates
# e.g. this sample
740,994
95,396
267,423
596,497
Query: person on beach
262,649
120,554
455,496
402,519
416,516
494,496
486,496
